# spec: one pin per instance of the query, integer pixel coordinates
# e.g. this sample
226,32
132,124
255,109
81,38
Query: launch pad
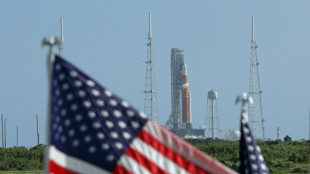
189,133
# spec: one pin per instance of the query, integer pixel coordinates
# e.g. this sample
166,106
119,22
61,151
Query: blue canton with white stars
88,121
251,158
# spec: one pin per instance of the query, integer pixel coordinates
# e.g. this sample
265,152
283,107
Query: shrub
299,170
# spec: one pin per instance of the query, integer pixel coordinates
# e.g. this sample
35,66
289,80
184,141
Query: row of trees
21,158
281,157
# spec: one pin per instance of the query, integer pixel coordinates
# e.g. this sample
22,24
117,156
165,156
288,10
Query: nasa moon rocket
186,98
180,119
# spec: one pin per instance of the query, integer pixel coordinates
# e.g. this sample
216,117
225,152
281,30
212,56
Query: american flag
94,131
251,158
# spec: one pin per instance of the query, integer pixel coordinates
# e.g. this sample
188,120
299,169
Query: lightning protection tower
150,92
255,110
61,45
212,122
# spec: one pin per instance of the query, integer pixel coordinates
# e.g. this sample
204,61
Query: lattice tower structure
150,92
255,110
212,118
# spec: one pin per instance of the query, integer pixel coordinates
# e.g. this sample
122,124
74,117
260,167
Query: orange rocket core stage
186,113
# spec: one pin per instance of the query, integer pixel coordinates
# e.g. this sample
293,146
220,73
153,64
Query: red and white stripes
60,162
157,150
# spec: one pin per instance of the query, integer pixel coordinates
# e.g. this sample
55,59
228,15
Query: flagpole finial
51,41
244,99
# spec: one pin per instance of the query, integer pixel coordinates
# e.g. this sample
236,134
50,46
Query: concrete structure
179,121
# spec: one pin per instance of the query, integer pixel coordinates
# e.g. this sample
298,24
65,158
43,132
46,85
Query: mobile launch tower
179,121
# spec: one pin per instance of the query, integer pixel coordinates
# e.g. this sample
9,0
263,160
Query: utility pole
2,131
278,133
255,111
5,133
38,137
17,136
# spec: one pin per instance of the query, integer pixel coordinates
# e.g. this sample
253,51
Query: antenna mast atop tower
255,111
150,100
61,45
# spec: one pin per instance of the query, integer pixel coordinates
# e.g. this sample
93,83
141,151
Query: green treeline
289,157
21,158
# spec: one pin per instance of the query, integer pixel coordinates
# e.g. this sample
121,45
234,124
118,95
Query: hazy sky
107,39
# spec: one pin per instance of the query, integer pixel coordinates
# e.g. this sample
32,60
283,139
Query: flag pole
251,158
50,61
